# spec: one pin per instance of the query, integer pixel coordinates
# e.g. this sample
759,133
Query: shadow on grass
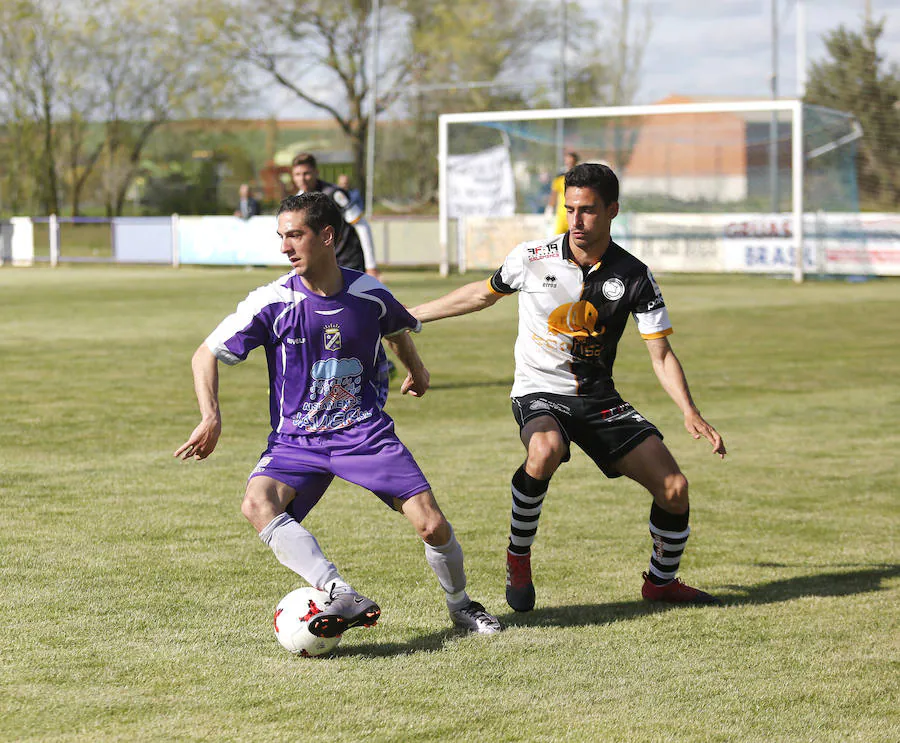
831,584
423,644
823,585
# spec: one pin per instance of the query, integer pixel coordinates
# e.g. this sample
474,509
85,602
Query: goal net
756,186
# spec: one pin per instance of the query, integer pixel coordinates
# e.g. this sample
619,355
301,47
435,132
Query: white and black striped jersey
571,318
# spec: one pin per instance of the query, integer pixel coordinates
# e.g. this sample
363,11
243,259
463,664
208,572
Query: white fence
206,240
840,244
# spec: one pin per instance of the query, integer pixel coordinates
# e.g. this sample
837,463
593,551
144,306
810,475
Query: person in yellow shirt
556,202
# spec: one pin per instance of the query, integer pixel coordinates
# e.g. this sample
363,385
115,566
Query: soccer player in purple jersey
321,327
576,292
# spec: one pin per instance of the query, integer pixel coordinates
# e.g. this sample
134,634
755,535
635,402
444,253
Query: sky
710,48
724,47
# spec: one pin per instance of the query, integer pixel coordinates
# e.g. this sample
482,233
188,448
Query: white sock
447,563
297,549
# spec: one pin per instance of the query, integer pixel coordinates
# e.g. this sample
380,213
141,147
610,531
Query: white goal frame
795,107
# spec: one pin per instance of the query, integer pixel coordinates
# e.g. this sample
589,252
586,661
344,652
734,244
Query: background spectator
247,206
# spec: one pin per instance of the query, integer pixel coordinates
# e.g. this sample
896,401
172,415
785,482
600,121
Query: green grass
135,602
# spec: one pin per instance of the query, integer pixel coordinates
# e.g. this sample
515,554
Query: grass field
136,603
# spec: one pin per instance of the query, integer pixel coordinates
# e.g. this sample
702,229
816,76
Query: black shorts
605,430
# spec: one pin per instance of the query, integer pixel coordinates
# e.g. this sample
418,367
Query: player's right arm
469,298
205,436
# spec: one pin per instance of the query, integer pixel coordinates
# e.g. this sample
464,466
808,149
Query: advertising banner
230,241
481,184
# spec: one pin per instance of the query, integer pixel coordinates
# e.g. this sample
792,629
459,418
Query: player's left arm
417,377
673,380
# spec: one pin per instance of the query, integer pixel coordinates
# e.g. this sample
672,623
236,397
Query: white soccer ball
292,616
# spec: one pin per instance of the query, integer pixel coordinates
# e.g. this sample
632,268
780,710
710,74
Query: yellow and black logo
576,319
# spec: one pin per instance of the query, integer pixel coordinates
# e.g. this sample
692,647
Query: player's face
589,218
305,177
304,248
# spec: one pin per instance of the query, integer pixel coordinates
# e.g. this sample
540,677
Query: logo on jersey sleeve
332,337
613,289
657,300
575,319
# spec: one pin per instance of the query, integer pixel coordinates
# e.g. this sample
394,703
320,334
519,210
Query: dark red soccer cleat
675,592
519,588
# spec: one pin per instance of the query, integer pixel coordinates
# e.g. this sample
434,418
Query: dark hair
598,177
573,155
304,158
318,210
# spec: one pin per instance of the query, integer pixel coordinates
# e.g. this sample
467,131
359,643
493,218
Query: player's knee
545,453
254,504
674,493
434,531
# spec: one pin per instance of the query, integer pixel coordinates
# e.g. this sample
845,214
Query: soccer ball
291,618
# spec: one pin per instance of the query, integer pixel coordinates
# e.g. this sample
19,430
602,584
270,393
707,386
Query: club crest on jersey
539,252
332,335
613,289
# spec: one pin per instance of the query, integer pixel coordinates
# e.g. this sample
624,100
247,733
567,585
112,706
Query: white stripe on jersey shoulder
272,293
364,284
281,293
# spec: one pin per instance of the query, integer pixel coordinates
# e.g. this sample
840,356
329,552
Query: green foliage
136,603
117,68
855,78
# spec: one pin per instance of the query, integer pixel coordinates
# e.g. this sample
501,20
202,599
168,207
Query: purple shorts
368,454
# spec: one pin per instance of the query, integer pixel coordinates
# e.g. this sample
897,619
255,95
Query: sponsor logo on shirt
576,319
539,252
613,289
334,396
332,337
550,281
295,341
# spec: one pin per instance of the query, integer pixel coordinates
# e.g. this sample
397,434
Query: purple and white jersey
321,351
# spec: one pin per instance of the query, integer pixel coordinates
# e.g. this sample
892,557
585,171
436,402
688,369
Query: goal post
688,171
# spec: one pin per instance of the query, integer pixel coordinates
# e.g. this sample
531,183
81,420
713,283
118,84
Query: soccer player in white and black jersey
576,292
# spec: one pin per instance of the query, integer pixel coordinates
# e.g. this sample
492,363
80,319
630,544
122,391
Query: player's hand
697,427
202,441
416,385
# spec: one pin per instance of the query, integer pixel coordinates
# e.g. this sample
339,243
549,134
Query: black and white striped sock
527,500
670,533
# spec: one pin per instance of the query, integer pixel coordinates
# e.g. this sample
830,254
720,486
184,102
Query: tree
854,78
167,66
32,47
471,55
319,51
85,86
